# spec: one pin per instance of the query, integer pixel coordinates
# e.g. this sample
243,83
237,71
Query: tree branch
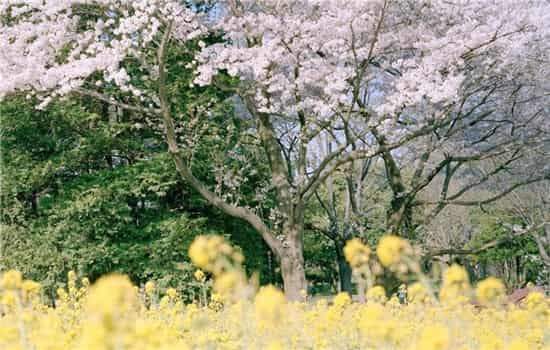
183,169
487,200
492,244
109,100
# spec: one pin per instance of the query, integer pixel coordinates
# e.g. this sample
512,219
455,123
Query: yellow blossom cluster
112,313
356,253
456,285
269,305
392,250
417,293
214,254
377,294
490,290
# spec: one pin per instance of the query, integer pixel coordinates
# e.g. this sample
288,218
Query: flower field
114,314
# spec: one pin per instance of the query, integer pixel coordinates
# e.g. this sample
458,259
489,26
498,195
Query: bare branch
112,101
484,247
486,200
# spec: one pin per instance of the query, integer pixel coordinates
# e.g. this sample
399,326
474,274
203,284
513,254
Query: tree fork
290,256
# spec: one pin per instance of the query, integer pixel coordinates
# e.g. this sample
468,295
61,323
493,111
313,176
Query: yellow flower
455,274
238,257
198,252
491,341
150,288
391,250
377,294
11,280
216,301
31,287
341,300
228,282
9,298
490,290
113,314
456,284
112,294
199,275
269,304
213,254
172,293
534,300
435,337
356,253
417,293
216,297
393,301
518,344
61,293
71,276
275,345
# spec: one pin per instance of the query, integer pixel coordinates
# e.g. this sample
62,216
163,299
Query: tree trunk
344,270
292,268
399,218
290,252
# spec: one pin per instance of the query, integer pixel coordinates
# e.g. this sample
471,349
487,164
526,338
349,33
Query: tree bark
344,270
399,218
293,272
290,253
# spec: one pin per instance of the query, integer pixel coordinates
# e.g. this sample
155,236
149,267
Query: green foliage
84,191
321,269
520,249
90,189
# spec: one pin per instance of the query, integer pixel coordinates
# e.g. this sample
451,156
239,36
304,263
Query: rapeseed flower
112,295
536,300
269,304
434,337
199,275
456,285
377,294
341,300
356,253
114,314
417,293
11,280
150,288
392,249
213,254
490,290
199,252
171,293
518,344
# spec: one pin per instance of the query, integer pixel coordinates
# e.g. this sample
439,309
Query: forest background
88,183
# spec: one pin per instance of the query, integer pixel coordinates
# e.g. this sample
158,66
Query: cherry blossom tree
488,143
371,75
52,48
